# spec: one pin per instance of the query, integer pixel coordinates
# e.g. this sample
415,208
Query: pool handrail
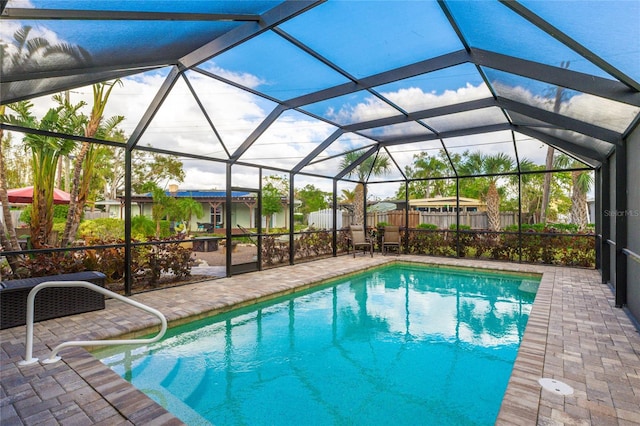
53,357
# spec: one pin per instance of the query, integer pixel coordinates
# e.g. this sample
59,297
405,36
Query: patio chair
391,238
359,240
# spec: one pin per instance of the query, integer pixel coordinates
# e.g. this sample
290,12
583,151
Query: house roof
445,201
207,194
327,78
198,195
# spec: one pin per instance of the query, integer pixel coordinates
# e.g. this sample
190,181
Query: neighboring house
447,204
591,205
114,208
214,204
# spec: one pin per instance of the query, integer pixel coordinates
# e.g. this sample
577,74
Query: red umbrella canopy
25,196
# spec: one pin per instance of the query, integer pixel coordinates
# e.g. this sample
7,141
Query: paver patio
574,335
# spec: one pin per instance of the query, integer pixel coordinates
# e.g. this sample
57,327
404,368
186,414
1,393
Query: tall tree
312,198
9,239
154,167
558,97
25,52
185,209
374,165
45,151
581,184
477,163
428,168
274,189
17,167
163,204
85,160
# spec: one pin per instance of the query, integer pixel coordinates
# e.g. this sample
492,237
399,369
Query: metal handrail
28,358
635,256
611,243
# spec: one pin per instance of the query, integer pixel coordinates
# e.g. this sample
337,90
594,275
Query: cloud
180,125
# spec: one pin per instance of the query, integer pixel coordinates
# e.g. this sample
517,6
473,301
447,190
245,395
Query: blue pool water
400,345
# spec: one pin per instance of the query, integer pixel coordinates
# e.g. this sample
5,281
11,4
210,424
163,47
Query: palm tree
530,188
348,195
45,151
581,183
374,165
85,160
26,52
477,163
9,240
186,208
428,167
559,95
163,205
23,53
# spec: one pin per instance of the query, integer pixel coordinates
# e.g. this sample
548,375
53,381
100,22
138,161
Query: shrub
427,226
569,228
60,212
148,263
461,227
274,251
312,244
102,229
428,242
142,227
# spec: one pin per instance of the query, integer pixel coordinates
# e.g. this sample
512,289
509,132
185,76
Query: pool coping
524,401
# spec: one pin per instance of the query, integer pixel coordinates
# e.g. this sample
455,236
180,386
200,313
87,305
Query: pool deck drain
574,335
556,386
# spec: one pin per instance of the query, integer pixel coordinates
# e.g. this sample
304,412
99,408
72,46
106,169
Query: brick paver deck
574,335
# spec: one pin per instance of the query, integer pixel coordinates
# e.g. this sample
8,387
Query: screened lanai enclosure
503,130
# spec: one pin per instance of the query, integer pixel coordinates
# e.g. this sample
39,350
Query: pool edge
520,404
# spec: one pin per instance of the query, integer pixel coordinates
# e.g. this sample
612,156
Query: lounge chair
391,238
359,240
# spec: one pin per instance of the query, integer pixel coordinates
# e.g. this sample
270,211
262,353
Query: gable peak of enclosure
393,78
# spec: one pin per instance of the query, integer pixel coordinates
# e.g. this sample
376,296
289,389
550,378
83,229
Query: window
216,216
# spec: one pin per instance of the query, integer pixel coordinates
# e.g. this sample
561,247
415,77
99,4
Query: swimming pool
403,344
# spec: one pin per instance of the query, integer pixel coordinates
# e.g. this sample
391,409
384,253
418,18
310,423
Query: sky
270,64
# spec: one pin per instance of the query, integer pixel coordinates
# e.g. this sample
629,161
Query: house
214,204
447,204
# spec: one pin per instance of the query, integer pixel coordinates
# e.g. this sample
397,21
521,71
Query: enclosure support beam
292,247
364,204
520,215
621,225
571,43
406,216
249,29
562,121
334,235
587,155
598,216
605,195
227,221
127,222
597,86
258,219
457,216
153,108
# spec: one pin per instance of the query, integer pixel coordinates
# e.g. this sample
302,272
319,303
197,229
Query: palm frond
77,54
21,35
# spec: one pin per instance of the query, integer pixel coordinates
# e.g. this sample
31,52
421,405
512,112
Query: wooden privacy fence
476,220
323,219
